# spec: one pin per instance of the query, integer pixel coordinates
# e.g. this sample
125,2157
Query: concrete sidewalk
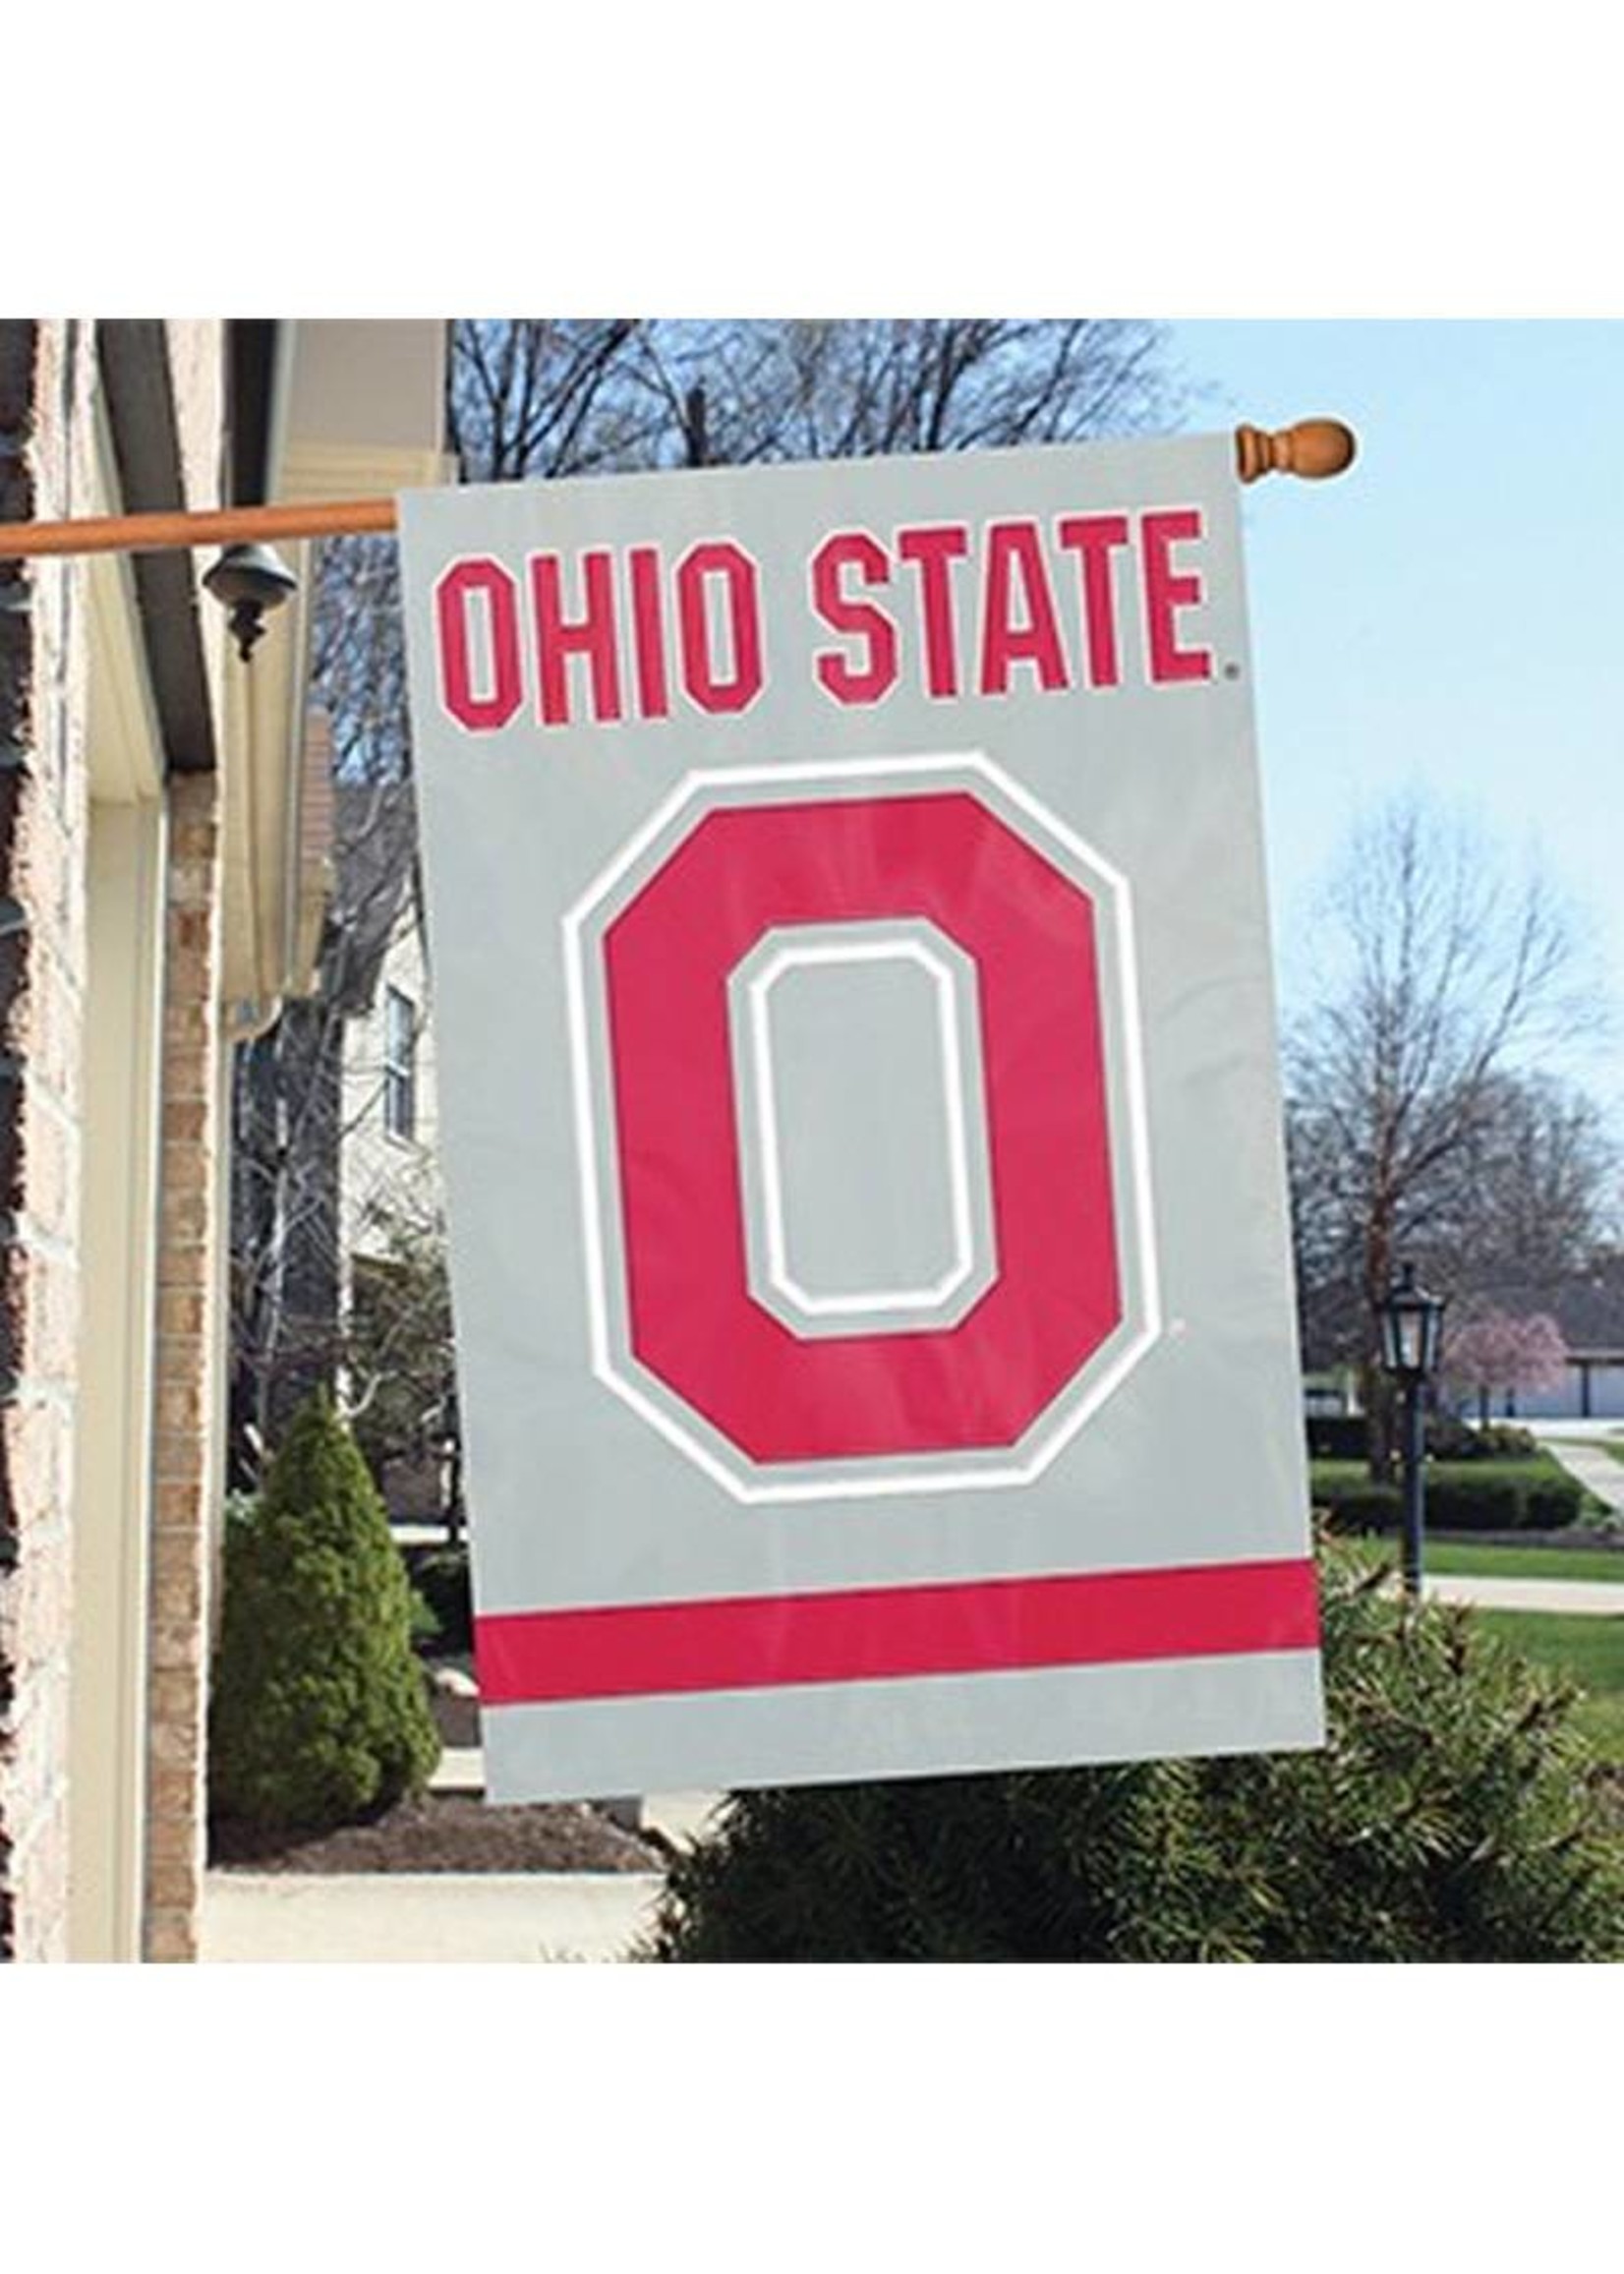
1595,1468
431,1918
424,1918
1576,1598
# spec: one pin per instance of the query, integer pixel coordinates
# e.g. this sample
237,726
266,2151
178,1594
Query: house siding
381,1173
44,393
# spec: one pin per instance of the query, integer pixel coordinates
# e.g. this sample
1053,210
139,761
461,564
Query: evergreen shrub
1461,1496
1456,1813
1452,1439
319,1713
1490,1504
1338,1436
1359,1505
1346,1437
1552,1506
440,1578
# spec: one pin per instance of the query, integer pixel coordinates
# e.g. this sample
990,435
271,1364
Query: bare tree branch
1417,1116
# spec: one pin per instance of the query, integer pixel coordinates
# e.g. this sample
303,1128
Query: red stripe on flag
889,1633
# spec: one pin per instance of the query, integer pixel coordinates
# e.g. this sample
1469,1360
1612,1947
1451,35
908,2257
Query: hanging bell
248,579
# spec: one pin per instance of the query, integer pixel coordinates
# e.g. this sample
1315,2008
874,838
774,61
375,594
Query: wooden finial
1314,450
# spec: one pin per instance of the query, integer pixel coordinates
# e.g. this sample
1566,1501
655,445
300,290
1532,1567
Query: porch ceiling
355,409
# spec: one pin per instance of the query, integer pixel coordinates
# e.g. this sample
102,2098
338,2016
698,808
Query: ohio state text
1076,602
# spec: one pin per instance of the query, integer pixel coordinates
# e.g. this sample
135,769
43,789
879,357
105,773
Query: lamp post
1411,1328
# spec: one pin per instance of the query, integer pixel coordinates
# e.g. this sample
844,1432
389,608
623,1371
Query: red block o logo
949,866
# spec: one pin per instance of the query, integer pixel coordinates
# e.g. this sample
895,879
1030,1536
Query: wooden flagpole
166,532
1314,450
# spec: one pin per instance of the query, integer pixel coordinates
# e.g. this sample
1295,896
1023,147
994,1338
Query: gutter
136,387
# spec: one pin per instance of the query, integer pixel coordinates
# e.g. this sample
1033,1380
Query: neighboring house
1589,1310
388,1172
160,895
284,1188
1332,1392
387,1166
337,1177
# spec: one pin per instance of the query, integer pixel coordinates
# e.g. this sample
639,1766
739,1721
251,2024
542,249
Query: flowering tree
1493,1351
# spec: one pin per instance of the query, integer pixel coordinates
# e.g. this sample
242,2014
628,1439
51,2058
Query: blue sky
1451,612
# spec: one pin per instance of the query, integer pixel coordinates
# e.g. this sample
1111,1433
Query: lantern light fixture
1411,1328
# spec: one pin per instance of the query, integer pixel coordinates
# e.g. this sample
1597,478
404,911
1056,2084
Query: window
399,1064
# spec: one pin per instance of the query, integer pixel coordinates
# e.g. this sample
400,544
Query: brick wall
46,373
186,1455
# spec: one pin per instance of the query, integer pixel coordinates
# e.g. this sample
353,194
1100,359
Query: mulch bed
445,1831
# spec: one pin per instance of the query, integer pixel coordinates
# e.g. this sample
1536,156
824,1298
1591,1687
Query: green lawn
1466,1558
1589,1650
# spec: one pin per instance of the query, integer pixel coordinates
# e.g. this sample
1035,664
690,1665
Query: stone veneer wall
45,375
186,1458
